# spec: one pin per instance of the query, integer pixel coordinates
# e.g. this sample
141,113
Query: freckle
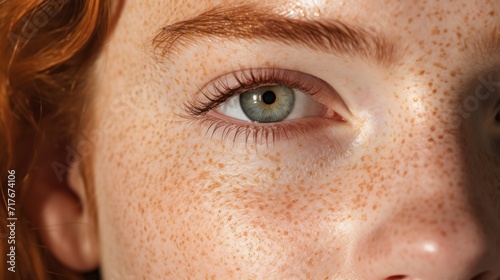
491,13
415,99
453,73
439,65
422,72
433,128
229,218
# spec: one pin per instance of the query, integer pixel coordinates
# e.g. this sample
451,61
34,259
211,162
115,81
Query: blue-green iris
268,104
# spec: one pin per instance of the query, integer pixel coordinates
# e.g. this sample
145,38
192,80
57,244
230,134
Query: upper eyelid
307,83
247,79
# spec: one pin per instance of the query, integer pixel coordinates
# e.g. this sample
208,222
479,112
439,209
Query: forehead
460,14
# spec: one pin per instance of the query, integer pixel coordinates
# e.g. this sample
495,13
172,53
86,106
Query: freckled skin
401,189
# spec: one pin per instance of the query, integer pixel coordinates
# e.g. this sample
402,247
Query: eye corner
333,115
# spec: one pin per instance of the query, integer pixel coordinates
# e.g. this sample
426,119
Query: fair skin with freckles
394,188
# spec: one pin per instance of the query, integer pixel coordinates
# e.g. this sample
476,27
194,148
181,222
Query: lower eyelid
225,128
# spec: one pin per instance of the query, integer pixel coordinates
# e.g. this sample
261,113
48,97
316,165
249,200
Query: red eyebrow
254,23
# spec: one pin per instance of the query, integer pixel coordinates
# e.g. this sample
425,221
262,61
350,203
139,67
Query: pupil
269,97
497,117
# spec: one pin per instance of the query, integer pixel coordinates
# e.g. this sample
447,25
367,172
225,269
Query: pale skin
406,185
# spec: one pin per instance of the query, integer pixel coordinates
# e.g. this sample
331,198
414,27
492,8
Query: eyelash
247,80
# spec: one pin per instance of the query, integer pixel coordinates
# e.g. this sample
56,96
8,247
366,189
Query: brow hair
251,22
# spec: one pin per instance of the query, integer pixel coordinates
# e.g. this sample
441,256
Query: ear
58,207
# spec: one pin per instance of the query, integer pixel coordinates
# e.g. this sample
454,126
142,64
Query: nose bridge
432,228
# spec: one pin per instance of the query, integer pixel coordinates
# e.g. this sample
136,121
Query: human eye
266,105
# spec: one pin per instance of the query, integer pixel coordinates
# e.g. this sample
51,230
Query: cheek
186,207
224,225
172,201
